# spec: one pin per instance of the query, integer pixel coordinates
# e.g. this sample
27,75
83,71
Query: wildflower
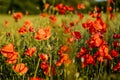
43,33
116,44
9,52
52,18
59,6
27,23
96,8
35,78
17,15
20,68
82,52
43,14
70,40
80,15
95,14
109,9
76,35
63,49
63,59
112,16
116,36
88,59
80,6
45,66
6,23
9,48
23,30
26,27
67,29
12,58
47,5
71,24
117,66
114,53
95,26
102,53
62,11
59,62
95,40
43,57
71,9
31,29
30,51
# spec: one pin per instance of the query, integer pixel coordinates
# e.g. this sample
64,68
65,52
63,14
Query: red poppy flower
80,15
109,8
71,24
81,6
59,62
70,40
63,49
95,40
114,53
116,44
112,16
66,29
116,36
96,8
9,48
59,6
47,5
17,15
88,59
76,35
23,30
6,23
82,52
52,18
30,51
20,68
43,14
63,59
71,9
102,53
27,23
35,78
43,33
45,66
43,57
12,58
117,66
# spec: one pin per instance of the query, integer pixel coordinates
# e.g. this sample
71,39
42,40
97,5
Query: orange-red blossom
9,52
43,33
20,68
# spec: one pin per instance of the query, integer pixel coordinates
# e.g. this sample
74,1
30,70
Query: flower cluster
64,8
9,52
43,33
27,26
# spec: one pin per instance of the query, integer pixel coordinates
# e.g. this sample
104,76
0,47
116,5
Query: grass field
59,47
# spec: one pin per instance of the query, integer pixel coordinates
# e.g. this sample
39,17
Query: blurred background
37,6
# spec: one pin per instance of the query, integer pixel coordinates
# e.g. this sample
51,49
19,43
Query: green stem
65,72
107,19
50,66
37,68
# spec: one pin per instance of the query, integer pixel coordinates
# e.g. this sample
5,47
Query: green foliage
37,6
